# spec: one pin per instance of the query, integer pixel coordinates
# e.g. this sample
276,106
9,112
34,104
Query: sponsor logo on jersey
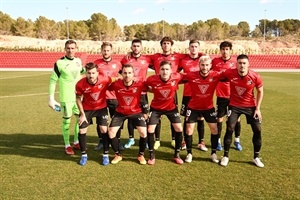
240,90
95,95
165,93
203,88
128,100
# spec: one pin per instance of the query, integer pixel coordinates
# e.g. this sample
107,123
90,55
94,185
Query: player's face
92,75
166,47
165,72
194,48
127,74
225,52
205,67
70,50
243,66
106,52
136,48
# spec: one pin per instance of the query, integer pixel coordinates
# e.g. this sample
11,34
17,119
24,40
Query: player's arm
82,117
52,85
259,98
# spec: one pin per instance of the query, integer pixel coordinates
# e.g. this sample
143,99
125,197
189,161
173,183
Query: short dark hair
242,56
136,41
166,39
90,66
70,42
104,44
165,62
194,41
226,44
127,66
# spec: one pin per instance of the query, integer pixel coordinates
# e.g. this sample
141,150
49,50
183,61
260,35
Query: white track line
1,78
24,95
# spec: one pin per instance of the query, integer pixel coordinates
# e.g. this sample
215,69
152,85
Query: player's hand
82,119
52,103
257,115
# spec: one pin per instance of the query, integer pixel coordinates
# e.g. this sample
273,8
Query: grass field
34,165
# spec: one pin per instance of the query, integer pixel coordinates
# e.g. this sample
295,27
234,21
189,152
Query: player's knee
66,123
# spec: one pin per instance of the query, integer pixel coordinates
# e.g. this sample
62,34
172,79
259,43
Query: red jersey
203,89
173,58
128,96
140,66
111,69
164,91
220,65
93,94
188,64
241,88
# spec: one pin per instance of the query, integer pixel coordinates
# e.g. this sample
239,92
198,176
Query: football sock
178,141
200,129
189,142
115,145
118,135
173,132
130,128
105,142
82,142
150,137
142,145
227,141
237,129
214,142
157,131
219,124
66,130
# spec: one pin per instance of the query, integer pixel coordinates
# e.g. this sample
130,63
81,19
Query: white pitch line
10,77
23,95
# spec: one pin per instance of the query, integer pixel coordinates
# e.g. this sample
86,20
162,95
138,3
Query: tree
98,26
6,23
46,29
244,28
235,31
215,30
23,28
80,31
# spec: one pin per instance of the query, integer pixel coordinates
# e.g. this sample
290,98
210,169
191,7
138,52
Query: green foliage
34,166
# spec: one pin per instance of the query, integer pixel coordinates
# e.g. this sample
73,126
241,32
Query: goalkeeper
67,72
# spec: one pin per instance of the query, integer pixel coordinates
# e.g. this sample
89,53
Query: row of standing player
188,63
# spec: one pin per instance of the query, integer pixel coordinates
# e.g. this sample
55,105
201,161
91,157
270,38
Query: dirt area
275,45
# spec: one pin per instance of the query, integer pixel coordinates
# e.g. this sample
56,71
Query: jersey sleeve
53,79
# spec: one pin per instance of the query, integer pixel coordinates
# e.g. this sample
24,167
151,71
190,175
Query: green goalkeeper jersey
67,71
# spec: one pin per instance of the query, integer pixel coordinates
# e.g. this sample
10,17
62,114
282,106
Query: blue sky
128,12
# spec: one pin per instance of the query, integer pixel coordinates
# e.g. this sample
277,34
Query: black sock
98,132
173,132
189,143
105,142
214,142
237,130
150,137
82,142
157,131
178,141
219,124
142,145
115,145
200,129
118,135
130,128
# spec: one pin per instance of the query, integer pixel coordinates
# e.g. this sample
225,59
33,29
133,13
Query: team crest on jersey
173,83
165,93
203,88
211,79
106,72
134,90
100,86
114,66
95,95
142,62
128,100
77,64
231,65
249,82
136,70
74,74
240,90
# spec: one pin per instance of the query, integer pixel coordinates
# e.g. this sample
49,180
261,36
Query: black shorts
101,117
209,115
235,112
184,105
137,120
222,105
111,105
154,116
144,103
